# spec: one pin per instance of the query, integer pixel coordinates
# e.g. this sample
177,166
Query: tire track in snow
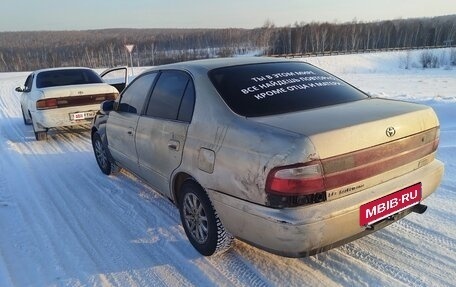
5,196
239,272
281,271
404,251
333,264
417,231
379,264
77,210
17,224
412,253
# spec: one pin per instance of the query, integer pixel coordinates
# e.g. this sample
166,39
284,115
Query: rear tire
201,223
41,133
26,121
41,136
101,155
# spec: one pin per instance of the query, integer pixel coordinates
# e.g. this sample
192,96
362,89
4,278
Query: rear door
122,122
162,130
116,77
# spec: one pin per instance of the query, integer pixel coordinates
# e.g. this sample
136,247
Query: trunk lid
345,128
77,90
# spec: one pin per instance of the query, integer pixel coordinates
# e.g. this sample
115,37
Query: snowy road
63,223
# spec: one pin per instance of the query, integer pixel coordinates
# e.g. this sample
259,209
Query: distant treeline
25,51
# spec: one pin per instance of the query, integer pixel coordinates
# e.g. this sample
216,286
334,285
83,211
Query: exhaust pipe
419,208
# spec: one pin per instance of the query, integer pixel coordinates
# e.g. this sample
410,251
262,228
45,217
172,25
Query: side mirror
19,89
106,107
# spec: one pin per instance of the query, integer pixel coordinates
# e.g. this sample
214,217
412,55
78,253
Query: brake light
46,104
296,180
74,101
100,99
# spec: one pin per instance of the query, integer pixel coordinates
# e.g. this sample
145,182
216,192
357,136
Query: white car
60,97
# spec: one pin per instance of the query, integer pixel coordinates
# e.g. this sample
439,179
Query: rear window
275,88
67,77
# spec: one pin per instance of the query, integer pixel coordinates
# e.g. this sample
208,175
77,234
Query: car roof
59,69
214,63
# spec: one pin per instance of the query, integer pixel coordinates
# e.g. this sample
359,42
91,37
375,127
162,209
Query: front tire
101,155
201,223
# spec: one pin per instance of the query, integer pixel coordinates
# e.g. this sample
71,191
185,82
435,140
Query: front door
120,131
122,122
116,77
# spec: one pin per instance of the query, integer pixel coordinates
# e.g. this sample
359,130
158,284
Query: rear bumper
60,117
307,230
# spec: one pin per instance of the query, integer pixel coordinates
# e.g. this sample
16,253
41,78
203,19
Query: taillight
46,104
296,185
295,180
101,98
74,101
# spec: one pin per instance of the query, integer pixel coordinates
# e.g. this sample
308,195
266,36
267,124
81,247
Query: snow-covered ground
64,223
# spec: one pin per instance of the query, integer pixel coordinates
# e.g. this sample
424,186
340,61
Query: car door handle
173,145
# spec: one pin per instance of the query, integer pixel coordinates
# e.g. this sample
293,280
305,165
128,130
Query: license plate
82,116
390,204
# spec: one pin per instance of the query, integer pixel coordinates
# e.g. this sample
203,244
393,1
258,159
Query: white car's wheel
27,121
40,134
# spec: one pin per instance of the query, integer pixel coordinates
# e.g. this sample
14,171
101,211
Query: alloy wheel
195,218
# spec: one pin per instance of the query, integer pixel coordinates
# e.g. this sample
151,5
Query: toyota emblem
390,131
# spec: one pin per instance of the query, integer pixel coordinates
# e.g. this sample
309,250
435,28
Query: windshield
275,88
66,77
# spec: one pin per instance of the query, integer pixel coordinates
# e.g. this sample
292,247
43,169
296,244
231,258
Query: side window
187,103
167,95
132,100
28,83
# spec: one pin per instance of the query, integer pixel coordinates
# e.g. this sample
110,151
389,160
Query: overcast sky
26,15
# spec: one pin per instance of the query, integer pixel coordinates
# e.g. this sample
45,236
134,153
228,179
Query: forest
31,50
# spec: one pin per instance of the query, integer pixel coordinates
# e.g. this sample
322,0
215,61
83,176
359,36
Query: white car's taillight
63,102
46,104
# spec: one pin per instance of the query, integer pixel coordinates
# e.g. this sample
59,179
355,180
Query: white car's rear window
67,77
